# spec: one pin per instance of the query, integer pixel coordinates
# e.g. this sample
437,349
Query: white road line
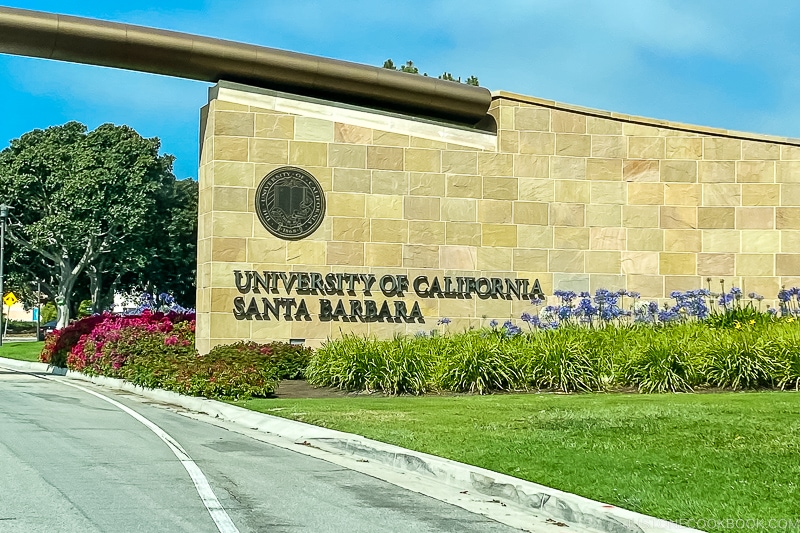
215,509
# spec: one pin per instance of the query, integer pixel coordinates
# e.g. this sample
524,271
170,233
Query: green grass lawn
678,456
24,351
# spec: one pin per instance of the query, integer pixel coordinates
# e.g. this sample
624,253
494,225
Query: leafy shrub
59,343
559,360
661,363
477,363
741,360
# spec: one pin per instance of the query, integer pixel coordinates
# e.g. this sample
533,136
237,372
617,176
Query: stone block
566,261
312,154
495,211
674,217
790,241
567,214
533,213
755,217
494,259
345,253
567,122
681,283
531,166
640,216
536,190
572,191
603,215
270,151
786,171
716,264
500,188
755,265
722,194
722,149
495,164
390,138
420,160
463,233
717,171
347,155
385,230
677,264
305,252
571,282
683,240
603,126
716,217
606,281
458,258
352,180
537,143
604,262
608,192
607,238
787,218
763,194
313,129
420,256
789,152
787,264
646,147
459,162
426,232
384,158
351,229
228,249
230,149
759,150
426,184
721,240
680,171
509,141
234,124
572,144
568,168
684,148
532,118
609,146
384,206
344,204
530,260
458,209
421,208
271,126
390,182
639,262
498,235
230,224
633,170
230,199
683,194
604,169
755,171
464,186
224,326
534,236
266,250
347,133
768,286
383,255
789,194
571,238
649,286
645,239
641,130
645,193
504,114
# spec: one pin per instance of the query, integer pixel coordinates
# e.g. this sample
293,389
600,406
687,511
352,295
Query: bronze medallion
290,203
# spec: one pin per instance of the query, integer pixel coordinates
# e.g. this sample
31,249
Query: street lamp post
3,216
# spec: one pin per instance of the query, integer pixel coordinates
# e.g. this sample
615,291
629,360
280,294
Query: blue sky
724,63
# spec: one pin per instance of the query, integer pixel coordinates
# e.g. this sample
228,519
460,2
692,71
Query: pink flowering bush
157,350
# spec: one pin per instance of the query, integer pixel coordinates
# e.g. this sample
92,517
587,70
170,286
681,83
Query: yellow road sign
10,299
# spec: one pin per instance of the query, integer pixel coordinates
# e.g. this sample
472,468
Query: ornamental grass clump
477,363
662,361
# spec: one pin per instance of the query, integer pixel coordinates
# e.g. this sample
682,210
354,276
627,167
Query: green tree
87,203
410,68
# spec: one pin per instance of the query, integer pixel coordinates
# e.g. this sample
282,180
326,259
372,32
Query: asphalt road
72,462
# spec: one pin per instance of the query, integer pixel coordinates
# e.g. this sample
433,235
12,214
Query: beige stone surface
578,199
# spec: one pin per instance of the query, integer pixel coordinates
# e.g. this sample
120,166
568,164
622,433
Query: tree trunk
101,300
69,275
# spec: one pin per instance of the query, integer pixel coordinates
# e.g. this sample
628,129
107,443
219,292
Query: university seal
290,203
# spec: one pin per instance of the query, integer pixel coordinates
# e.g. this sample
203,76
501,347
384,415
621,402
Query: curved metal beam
111,44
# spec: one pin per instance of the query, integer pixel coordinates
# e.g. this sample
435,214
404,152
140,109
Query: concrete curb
545,506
